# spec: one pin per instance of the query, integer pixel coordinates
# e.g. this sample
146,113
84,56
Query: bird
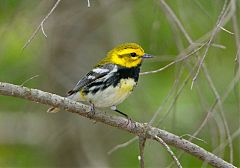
112,80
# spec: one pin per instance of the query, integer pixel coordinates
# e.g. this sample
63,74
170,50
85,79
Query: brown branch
135,128
142,140
169,151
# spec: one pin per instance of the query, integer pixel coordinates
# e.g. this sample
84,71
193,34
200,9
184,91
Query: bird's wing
93,75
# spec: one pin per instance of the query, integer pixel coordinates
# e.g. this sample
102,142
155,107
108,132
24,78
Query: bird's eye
133,54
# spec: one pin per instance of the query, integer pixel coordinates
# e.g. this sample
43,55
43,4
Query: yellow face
127,55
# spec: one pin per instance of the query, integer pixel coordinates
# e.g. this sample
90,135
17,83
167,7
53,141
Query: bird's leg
114,108
92,109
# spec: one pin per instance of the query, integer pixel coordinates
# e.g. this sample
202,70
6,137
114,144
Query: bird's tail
53,110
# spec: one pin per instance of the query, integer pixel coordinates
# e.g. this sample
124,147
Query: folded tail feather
53,110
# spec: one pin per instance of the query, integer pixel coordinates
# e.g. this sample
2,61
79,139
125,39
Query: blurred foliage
22,155
78,37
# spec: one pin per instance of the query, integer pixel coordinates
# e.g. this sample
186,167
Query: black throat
124,73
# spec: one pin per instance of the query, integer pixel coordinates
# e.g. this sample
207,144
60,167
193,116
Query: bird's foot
92,110
129,120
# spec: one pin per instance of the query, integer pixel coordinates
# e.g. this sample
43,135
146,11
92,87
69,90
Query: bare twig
176,96
181,57
223,145
40,26
222,19
209,79
115,121
43,31
210,112
206,12
193,137
237,59
122,145
234,135
29,80
218,46
164,102
174,62
174,17
218,24
142,140
219,102
88,3
222,28
225,95
169,151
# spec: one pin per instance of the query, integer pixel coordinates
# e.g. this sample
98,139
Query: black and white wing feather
93,75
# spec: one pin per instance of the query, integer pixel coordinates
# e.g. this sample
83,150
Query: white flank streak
106,77
91,77
94,87
99,70
115,69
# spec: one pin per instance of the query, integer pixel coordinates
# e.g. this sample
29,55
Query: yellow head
127,55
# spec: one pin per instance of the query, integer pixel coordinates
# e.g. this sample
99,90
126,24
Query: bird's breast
125,86
112,95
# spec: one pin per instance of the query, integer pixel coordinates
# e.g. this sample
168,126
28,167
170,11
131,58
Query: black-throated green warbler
112,80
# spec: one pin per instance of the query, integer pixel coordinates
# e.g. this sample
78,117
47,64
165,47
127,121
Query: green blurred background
78,37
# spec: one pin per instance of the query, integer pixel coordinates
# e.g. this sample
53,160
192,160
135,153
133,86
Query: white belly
111,96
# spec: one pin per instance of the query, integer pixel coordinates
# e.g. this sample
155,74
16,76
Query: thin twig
88,3
209,79
237,59
142,140
234,135
225,95
218,24
169,151
218,46
222,113
224,29
206,12
223,145
174,17
29,80
43,31
193,137
123,145
164,102
40,26
174,100
224,21
177,95
174,62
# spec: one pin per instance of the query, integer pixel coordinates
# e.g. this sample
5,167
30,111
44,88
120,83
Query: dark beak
147,56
